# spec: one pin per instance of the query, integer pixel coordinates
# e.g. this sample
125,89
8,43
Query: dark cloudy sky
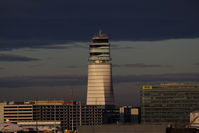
44,45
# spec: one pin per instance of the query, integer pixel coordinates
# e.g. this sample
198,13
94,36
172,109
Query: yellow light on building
146,87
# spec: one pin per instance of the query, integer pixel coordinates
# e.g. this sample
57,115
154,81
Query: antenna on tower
100,32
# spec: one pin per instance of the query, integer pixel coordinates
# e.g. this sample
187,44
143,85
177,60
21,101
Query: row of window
18,110
16,116
17,107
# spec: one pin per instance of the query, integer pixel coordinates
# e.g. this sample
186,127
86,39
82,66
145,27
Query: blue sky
44,46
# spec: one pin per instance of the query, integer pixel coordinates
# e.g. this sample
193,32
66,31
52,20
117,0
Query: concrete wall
123,129
2,112
194,119
100,90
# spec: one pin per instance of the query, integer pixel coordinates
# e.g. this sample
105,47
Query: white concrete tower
100,88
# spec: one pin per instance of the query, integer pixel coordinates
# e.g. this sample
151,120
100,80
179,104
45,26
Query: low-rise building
129,114
15,112
70,114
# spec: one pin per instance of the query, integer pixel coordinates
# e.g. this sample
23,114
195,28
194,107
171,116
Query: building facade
169,103
100,87
194,119
129,114
70,114
15,112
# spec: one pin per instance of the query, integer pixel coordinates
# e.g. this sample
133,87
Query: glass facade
99,49
71,116
169,103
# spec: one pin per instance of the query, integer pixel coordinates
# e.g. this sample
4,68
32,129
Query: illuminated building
100,88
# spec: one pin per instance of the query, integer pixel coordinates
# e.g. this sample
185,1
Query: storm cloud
141,65
37,23
41,81
196,64
11,57
181,77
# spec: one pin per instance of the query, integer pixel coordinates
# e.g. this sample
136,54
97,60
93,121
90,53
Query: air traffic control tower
100,88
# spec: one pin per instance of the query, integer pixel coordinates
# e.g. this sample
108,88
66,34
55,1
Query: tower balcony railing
99,50
99,43
93,58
